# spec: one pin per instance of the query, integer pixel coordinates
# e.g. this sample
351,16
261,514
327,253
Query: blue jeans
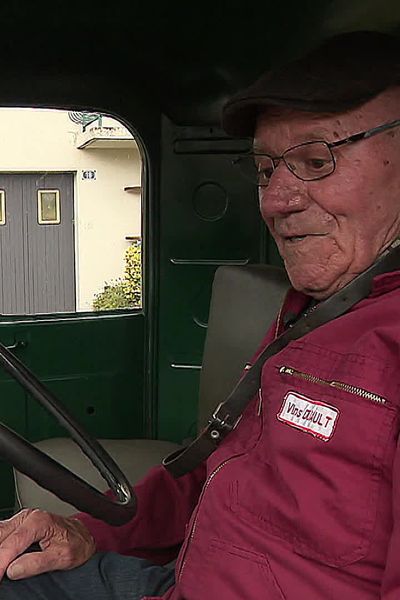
106,576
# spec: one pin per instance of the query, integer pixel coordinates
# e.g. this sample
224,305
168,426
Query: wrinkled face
329,230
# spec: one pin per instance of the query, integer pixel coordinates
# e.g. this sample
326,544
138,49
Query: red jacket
302,500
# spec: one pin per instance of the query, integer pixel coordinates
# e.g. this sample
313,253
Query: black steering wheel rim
50,474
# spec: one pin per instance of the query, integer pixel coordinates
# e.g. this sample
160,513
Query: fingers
65,543
29,531
34,563
9,525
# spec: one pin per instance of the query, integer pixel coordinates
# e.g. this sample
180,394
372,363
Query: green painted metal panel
96,368
13,414
208,216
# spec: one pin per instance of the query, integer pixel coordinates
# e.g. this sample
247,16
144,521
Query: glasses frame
356,137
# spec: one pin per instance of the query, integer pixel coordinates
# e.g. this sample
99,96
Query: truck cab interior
144,380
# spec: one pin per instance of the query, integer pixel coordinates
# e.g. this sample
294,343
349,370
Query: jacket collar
385,283
296,302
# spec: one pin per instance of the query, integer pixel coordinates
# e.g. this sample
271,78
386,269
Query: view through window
70,213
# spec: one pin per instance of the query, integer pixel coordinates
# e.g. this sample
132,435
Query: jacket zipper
194,525
351,389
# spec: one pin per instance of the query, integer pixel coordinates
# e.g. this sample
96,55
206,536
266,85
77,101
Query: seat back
244,302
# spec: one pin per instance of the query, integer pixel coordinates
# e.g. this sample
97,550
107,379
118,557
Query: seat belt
227,414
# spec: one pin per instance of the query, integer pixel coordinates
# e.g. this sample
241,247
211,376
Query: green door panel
103,403
177,414
208,216
94,365
13,414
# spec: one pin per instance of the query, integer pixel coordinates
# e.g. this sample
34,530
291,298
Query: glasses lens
309,161
256,168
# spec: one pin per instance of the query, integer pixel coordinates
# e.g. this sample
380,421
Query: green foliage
112,297
133,274
126,292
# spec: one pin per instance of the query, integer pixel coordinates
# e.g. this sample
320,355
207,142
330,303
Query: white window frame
41,221
3,207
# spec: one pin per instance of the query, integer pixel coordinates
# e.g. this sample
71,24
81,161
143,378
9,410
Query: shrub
113,296
133,274
126,292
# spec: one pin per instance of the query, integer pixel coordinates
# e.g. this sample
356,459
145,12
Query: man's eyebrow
314,135
320,134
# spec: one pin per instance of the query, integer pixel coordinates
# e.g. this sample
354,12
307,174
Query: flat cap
342,73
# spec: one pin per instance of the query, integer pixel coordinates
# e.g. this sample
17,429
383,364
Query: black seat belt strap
228,414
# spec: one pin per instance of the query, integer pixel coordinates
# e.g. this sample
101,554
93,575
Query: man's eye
264,172
316,163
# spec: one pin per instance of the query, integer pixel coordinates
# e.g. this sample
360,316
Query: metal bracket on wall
18,345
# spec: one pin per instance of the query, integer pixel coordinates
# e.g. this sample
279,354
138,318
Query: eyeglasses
308,161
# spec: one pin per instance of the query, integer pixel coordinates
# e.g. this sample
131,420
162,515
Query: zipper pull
286,370
259,404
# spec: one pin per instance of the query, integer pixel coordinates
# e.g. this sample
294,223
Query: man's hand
65,544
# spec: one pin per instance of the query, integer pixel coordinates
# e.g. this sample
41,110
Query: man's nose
285,193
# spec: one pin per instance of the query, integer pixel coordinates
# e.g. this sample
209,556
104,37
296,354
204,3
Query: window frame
3,220
58,209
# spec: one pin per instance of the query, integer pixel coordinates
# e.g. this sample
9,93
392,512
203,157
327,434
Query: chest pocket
315,477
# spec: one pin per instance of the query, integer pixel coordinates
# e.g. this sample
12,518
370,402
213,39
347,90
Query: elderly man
301,501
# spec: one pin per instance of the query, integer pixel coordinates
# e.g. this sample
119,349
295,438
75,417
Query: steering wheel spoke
53,476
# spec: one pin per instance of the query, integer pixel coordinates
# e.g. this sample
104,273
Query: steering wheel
48,473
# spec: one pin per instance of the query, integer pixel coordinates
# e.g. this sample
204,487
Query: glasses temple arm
380,128
365,134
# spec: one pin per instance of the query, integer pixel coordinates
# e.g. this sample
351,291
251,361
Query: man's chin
319,288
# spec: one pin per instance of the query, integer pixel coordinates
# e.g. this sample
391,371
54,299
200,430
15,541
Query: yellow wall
43,140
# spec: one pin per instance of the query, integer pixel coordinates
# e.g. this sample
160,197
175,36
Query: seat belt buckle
220,426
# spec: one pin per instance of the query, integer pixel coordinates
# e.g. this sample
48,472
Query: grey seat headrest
245,301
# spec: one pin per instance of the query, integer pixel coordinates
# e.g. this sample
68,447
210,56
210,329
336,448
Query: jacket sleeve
158,528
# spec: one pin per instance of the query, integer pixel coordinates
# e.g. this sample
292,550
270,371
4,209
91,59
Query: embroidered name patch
313,417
